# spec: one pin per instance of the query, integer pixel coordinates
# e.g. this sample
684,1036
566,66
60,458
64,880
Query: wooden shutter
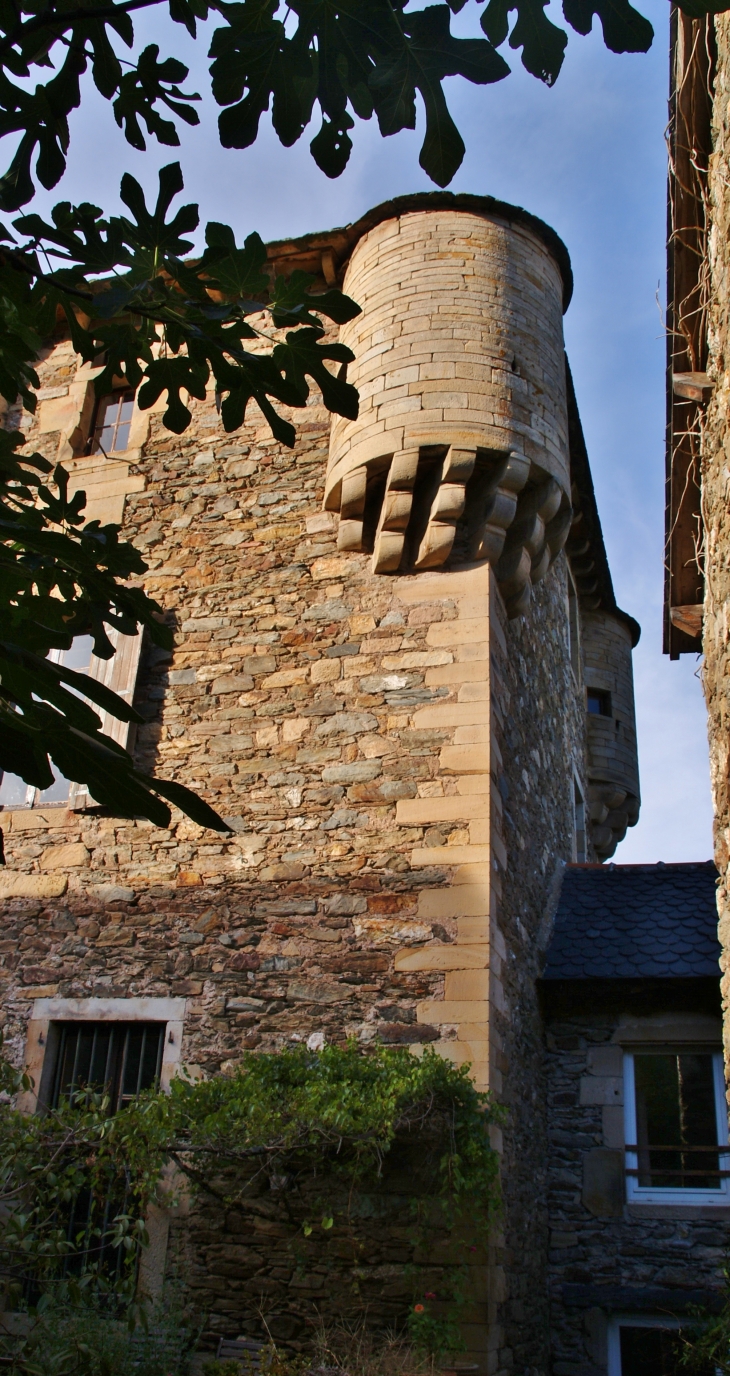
120,674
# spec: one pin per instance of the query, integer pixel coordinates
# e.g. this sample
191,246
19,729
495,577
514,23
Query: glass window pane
121,440
79,656
113,419
650,1352
675,1120
57,793
103,438
13,791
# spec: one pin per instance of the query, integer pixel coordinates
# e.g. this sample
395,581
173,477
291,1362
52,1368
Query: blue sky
589,157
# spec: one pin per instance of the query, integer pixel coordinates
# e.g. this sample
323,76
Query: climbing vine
301,1126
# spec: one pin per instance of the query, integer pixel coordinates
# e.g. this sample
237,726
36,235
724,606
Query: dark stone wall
651,1259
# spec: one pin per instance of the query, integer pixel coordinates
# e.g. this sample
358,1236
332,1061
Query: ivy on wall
297,1124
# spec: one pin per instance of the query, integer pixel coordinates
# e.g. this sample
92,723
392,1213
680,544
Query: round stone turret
460,451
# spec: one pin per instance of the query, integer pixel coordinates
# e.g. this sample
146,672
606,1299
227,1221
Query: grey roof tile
629,921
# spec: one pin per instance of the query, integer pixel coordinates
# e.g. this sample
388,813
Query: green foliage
346,59
271,1361
77,1335
704,1342
48,1161
337,1114
284,1121
169,326
60,579
434,1335
165,325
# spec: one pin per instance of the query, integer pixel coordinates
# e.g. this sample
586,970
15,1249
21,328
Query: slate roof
635,921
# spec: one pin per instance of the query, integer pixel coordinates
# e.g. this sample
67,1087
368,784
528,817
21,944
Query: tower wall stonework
715,468
395,754
462,339
613,765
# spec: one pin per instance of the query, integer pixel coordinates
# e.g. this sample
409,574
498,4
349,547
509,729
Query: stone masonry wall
460,341
542,737
640,1248
715,494
376,885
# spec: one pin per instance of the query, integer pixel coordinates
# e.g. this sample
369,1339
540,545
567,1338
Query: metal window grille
124,1058
111,423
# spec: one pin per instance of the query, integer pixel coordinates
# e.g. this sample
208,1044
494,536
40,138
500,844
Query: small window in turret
598,703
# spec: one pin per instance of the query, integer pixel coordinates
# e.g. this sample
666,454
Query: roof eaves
595,590
288,253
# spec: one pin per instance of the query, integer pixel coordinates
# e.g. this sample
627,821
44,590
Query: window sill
640,1208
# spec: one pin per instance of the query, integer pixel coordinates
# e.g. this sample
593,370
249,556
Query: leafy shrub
434,1335
67,1336
288,1118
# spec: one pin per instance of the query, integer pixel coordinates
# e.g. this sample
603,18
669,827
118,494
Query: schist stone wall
607,1256
715,472
397,759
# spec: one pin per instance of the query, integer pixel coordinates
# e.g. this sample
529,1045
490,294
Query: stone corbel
352,510
494,505
611,811
517,528
540,529
446,508
396,512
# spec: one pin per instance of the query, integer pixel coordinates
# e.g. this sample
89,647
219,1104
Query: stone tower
401,673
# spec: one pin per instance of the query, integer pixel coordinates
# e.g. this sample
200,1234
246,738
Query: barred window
123,1058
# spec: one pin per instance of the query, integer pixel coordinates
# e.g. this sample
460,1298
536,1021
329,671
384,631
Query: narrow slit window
579,825
598,702
676,1126
112,421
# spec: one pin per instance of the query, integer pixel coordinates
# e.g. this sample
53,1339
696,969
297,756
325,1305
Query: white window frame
619,1321
641,1194
118,673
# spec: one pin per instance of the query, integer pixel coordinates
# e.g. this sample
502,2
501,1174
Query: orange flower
419,1308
